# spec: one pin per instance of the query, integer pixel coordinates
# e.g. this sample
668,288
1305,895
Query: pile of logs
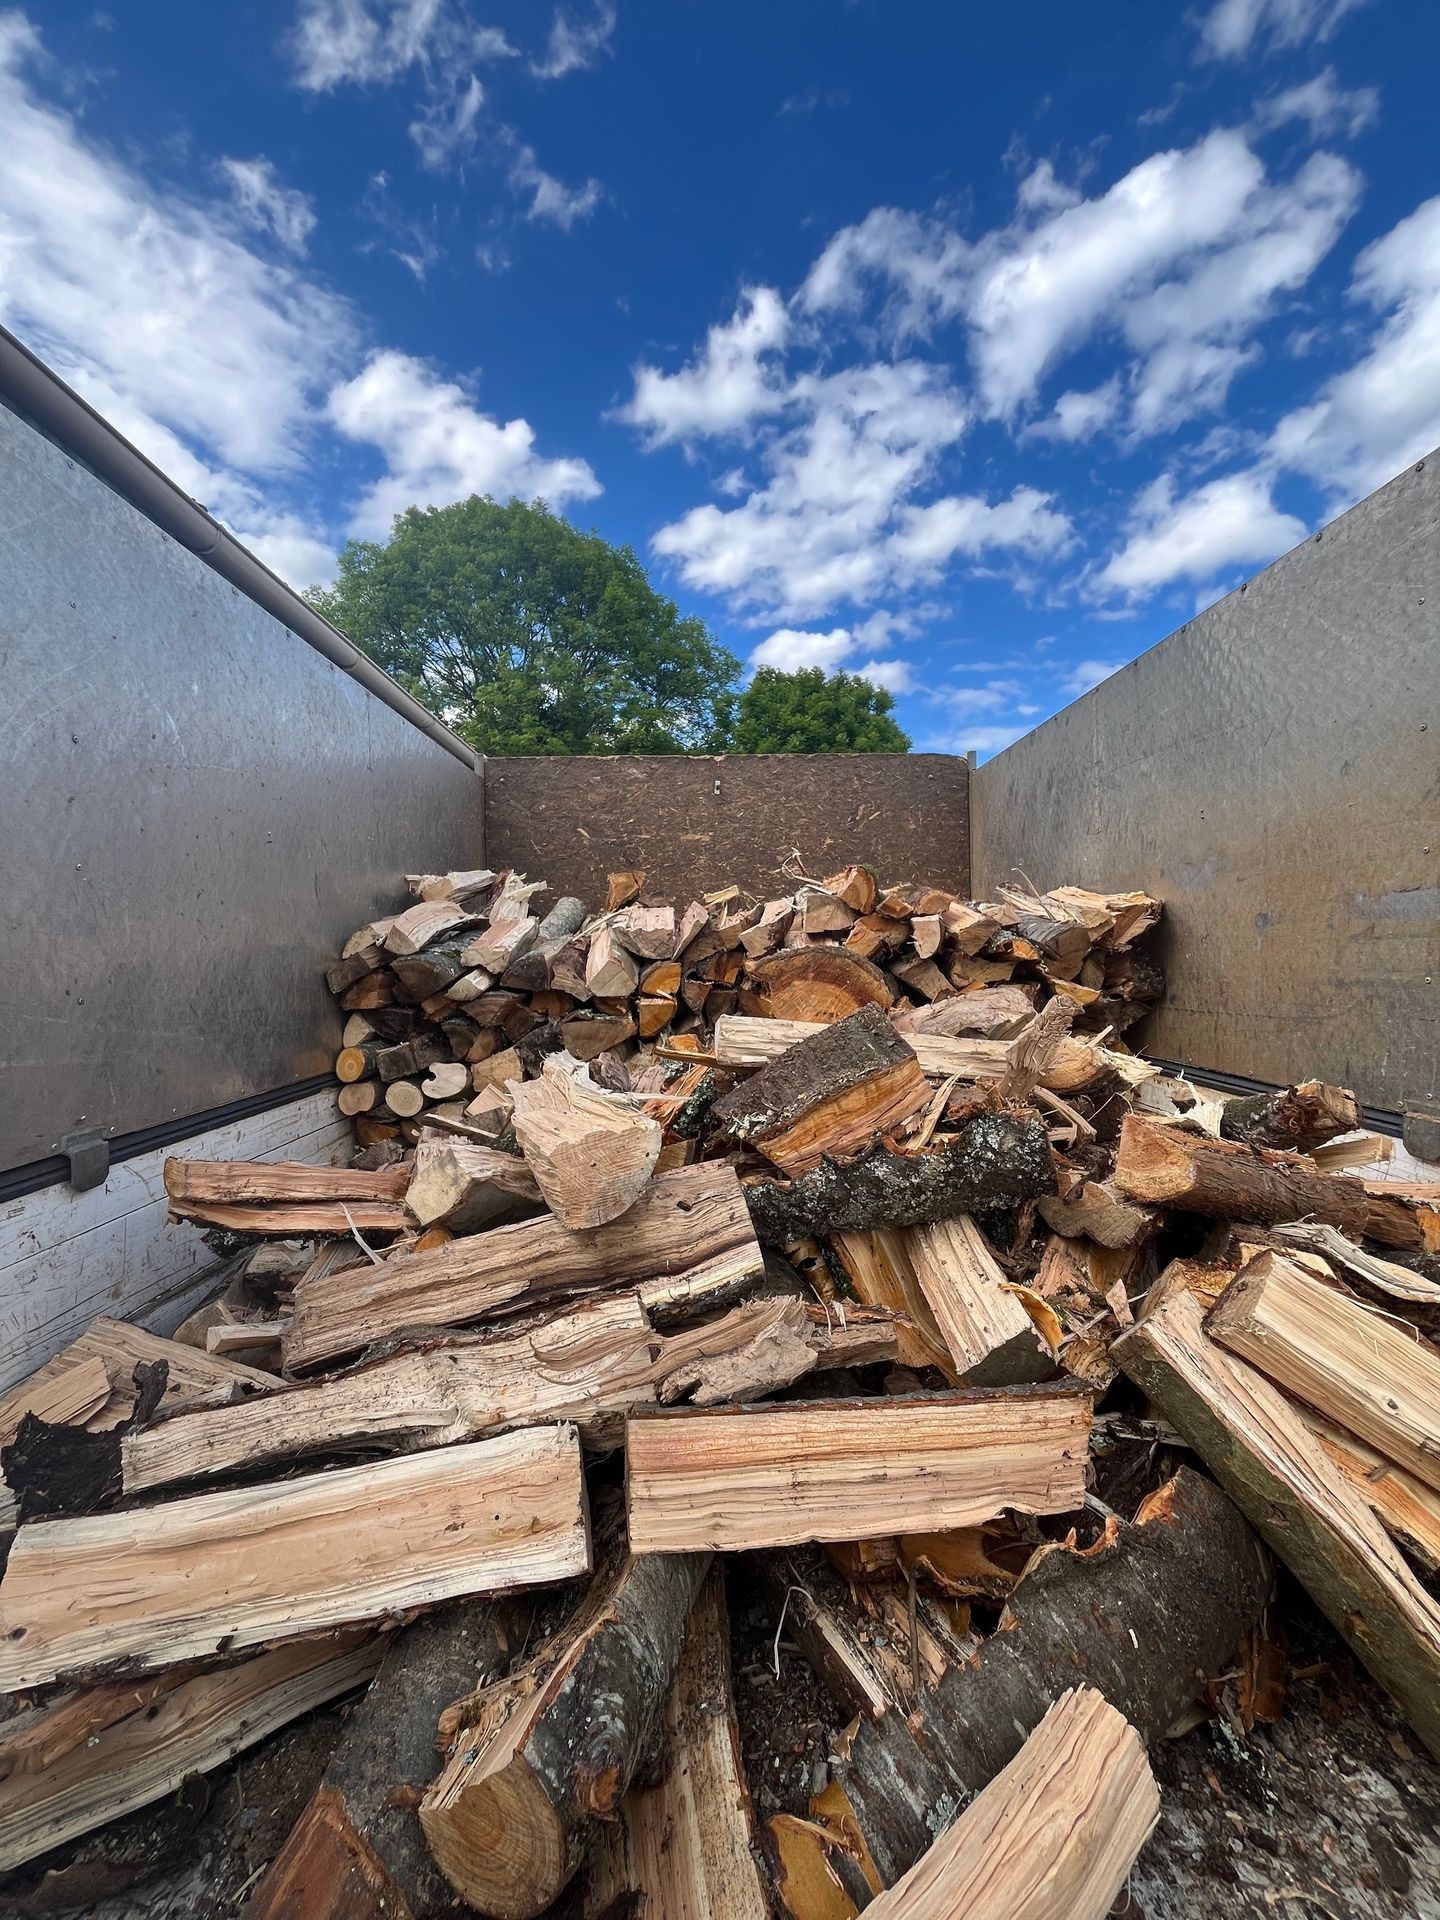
878,1285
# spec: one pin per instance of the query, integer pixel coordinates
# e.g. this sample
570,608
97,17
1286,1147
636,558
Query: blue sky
972,347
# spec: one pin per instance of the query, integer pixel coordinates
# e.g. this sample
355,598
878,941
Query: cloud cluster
1231,29
575,44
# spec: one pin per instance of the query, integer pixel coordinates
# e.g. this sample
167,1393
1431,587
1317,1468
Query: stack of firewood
451,998
894,1319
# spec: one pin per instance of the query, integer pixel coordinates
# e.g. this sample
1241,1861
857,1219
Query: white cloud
1078,416
994,697
895,676
1230,521
979,739
928,538
445,125
1184,256
1232,27
1322,106
439,447
790,650
732,381
1086,674
575,44
1384,412
267,205
550,199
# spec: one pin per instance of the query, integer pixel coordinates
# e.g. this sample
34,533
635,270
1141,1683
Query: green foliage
806,713
528,636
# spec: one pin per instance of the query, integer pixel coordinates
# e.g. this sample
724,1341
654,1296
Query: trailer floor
1334,1814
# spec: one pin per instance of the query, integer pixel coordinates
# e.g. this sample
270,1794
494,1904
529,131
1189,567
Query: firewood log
1138,1617
855,886
158,1585
500,944
417,927
1262,1451
538,1759
357,1851
995,1160
243,1181
465,1186
591,1155
820,983
990,1338
1302,1116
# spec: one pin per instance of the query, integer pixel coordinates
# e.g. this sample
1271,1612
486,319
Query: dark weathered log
832,1093
538,1759
1165,1166
357,1852
1302,1116
997,1160
1142,1617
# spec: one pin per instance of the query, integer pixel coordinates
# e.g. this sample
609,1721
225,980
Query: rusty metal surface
1273,771
695,823
198,807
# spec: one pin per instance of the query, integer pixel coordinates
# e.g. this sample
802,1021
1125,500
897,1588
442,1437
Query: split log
99,1754
591,1154
823,913
1092,1210
464,1186
991,1013
220,1571
922,977
991,1339
881,1274
832,1093
446,1081
610,970
357,1851
1032,1054
588,1035
352,968
647,932
1224,1180
741,1477
1408,1510
1339,1356
1142,1616
820,983
500,944
1259,1447
995,1160
686,1844
762,1346
461,885
588,1367
687,1239
284,1181
1302,1117
301,1221
413,930
539,1759
1053,1836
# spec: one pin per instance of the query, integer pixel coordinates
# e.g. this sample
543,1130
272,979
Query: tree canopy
806,713
527,636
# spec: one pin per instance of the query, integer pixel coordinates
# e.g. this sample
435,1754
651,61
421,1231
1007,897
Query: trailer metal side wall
199,807
1272,770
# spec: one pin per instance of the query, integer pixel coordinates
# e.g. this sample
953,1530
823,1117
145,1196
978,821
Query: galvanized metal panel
1271,770
697,822
198,809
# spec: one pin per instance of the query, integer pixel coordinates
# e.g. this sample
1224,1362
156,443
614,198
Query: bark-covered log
997,1160
1302,1116
357,1852
538,1759
1143,1617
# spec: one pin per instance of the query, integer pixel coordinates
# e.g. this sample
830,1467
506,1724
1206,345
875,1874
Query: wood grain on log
991,1339
1260,1448
157,1585
688,1237
738,1478
243,1181
591,1155
820,983
463,1185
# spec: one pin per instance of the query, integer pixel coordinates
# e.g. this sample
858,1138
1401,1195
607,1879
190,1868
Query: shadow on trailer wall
1272,771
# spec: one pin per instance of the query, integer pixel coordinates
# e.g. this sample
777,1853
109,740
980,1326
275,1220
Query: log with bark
685,1845
1142,1616
744,1041
151,1587
688,1239
357,1851
95,1755
1261,1449
1052,1837
831,1093
1225,1180
745,1477
994,1160
1303,1116
537,1760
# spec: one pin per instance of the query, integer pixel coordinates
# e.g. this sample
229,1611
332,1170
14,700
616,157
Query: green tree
806,713
527,636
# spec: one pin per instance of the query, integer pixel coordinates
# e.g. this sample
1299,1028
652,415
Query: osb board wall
1271,770
696,823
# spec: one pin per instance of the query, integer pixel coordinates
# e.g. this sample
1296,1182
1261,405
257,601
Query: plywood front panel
1272,771
696,823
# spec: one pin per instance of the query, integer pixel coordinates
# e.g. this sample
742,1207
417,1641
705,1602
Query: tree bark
1301,1116
1143,1617
997,1160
